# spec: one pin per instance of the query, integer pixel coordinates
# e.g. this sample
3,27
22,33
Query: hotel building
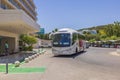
16,17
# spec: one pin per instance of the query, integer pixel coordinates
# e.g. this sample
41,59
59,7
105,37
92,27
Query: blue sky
76,14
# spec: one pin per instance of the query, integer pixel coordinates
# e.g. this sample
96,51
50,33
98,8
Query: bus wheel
76,50
55,55
83,49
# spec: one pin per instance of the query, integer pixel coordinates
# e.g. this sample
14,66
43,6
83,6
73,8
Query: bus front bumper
62,52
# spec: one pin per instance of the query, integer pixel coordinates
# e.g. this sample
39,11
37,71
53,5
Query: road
94,64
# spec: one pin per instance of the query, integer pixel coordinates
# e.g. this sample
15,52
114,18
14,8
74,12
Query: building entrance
11,43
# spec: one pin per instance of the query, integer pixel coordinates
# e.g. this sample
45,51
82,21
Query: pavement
25,76
95,64
14,57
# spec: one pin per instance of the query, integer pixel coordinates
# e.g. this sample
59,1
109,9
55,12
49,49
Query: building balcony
17,21
10,4
29,4
26,9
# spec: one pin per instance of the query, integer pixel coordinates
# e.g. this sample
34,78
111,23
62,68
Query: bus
67,42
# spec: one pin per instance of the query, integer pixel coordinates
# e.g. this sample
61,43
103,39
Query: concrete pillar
16,43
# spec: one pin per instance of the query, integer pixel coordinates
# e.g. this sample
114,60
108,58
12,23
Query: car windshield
61,40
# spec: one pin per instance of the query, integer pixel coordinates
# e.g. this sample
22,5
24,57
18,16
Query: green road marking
27,70
3,67
13,69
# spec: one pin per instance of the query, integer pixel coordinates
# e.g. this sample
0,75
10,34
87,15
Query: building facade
16,17
42,31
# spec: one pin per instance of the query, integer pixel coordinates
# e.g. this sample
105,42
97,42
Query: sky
76,14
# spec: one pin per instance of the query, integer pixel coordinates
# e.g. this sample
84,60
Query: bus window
61,40
74,38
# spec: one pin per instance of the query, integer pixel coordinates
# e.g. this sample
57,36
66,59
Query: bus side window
74,38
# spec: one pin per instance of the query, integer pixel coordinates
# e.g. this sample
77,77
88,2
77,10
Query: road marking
13,69
114,54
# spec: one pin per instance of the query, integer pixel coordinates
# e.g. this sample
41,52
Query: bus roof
66,30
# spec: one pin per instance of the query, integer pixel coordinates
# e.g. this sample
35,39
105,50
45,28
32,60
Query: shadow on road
71,56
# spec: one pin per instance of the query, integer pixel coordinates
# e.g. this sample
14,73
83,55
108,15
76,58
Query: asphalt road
94,64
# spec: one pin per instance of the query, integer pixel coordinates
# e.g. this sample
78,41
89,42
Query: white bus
66,42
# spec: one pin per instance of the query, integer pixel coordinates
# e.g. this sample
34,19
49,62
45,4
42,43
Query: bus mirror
51,36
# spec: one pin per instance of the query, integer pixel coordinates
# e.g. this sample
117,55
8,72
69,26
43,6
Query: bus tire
83,49
55,55
76,50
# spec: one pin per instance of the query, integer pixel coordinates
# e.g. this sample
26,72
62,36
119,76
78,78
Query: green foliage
44,36
27,41
81,37
27,48
86,33
92,36
92,40
55,30
102,37
105,32
113,37
41,36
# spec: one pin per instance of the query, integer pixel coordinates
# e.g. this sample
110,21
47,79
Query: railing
14,3
29,2
29,10
30,5
3,6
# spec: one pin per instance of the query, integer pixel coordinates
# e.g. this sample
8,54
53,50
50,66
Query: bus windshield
61,40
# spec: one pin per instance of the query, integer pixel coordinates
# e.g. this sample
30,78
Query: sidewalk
40,61
14,57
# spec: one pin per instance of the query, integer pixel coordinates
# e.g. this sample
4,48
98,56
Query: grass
13,69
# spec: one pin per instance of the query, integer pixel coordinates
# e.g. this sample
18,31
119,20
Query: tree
30,40
44,36
86,32
104,32
56,30
113,37
109,30
116,28
92,40
27,41
41,36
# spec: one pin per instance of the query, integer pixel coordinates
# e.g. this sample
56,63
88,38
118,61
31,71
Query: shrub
27,42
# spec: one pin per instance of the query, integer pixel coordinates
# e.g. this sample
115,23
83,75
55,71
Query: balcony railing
15,4
31,3
28,9
3,6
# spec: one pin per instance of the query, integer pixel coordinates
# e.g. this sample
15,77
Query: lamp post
7,53
7,63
